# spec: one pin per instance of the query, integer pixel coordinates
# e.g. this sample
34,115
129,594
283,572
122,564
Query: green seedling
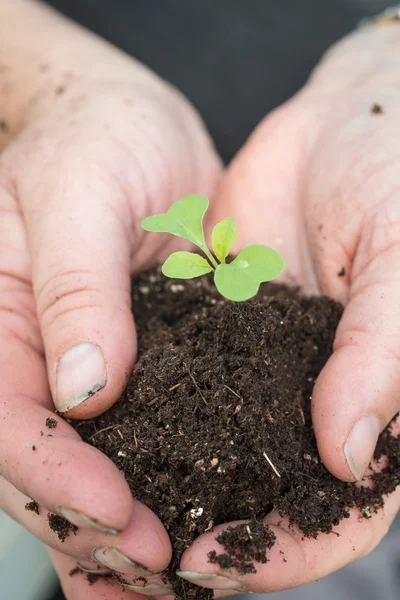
238,280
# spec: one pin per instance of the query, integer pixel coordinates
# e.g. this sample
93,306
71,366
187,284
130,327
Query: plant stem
210,257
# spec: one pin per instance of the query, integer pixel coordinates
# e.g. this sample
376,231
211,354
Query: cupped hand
319,180
97,152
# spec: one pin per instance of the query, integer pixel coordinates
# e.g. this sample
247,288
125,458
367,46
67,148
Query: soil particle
377,109
244,544
34,448
342,272
4,126
92,578
218,386
33,506
51,423
61,526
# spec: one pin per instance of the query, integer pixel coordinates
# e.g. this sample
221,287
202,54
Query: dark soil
51,423
244,544
376,109
33,506
215,424
90,577
61,526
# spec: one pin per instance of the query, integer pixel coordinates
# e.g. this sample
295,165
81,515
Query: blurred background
235,60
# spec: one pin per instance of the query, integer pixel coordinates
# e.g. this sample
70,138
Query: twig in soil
197,387
102,431
271,464
306,475
174,387
233,392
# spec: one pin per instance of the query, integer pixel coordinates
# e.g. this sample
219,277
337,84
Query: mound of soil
215,424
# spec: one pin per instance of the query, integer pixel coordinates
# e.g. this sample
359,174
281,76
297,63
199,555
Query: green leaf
185,265
241,279
184,219
223,238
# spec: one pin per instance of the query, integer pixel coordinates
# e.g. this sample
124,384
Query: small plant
238,280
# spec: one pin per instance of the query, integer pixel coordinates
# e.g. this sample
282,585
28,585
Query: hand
319,180
104,143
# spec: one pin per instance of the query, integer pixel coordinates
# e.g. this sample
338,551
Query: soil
376,109
33,506
244,544
91,578
61,526
215,423
51,423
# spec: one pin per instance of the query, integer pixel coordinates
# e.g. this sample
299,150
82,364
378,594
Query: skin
83,164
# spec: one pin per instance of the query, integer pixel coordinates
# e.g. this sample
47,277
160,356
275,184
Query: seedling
238,280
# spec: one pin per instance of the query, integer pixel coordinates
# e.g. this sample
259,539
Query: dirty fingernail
114,559
80,520
89,568
80,373
208,580
360,445
151,590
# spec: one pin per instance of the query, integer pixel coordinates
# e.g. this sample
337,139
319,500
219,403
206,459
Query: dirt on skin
32,506
215,424
243,544
61,526
51,423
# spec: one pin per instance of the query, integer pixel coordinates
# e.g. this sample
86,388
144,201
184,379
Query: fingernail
92,569
114,559
151,590
360,445
208,580
80,520
80,373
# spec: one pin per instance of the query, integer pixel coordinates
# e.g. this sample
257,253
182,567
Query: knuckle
66,293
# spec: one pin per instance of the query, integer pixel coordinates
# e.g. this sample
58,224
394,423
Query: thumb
80,242
357,393
83,194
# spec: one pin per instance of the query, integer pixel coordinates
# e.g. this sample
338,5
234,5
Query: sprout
238,280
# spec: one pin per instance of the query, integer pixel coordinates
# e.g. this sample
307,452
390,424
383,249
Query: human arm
93,141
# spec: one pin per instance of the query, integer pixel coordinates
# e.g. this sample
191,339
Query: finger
294,560
81,279
141,555
58,470
357,393
77,586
